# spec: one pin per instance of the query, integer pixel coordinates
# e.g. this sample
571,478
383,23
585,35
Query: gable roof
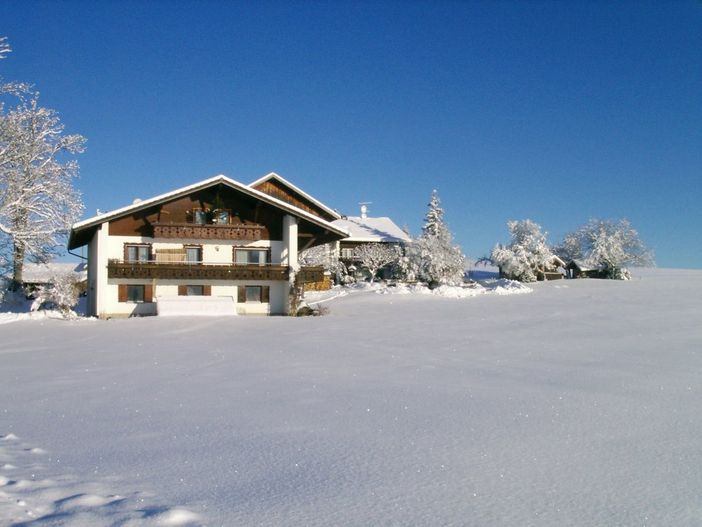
36,273
381,229
76,240
285,183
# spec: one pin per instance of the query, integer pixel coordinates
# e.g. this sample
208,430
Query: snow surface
578,404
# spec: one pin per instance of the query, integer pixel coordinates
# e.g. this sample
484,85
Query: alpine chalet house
365,229
217,245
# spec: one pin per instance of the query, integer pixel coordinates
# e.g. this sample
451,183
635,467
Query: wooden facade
277,189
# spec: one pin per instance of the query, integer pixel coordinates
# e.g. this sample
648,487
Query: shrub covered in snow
61,293
374,256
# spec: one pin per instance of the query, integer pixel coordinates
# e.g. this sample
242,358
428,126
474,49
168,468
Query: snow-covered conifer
438,260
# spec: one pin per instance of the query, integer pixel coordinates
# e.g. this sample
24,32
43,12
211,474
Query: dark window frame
244,250
138,247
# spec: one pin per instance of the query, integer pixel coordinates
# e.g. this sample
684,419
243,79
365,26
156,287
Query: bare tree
375,256
38,202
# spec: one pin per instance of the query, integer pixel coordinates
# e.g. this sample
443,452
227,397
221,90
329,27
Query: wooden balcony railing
310,274
195,271
210,231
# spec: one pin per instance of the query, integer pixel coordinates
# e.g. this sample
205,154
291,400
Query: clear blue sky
554,111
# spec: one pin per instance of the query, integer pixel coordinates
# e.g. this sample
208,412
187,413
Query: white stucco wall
105,301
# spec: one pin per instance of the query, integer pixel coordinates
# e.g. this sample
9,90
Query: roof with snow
34,273
82,230
381,229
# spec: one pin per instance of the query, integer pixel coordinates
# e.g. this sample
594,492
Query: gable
279,188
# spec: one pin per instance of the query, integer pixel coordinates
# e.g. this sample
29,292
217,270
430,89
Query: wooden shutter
182,290
241,294
148,293
122,293
126,253
265,294
207,290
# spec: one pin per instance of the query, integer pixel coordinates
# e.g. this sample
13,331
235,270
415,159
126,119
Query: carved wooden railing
195,271
309,274
209,231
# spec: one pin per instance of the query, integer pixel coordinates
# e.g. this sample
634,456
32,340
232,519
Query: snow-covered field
579,404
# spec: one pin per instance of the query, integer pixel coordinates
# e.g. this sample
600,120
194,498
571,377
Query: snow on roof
143,204
585,265
34,273
381,229
287,183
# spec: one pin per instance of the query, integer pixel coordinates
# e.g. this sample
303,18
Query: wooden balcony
191,231
311,274
195,271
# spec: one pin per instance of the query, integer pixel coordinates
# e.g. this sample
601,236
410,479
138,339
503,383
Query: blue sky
555,111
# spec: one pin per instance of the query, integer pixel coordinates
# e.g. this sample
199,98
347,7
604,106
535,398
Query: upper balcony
211,271
195,271
210,231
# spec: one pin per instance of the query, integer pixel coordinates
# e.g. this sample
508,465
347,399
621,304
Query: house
231,245
365,229
37,275
579,269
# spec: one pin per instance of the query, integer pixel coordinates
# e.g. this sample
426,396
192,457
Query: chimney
364,209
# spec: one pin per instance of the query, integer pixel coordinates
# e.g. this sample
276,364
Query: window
221,217
135,293
251,256
253,293
199,216
193,254
137,253
194,290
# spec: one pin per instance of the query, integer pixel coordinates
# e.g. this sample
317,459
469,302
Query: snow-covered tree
4,47
38,202
527,257
374,256
434,256
62,292
609,245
